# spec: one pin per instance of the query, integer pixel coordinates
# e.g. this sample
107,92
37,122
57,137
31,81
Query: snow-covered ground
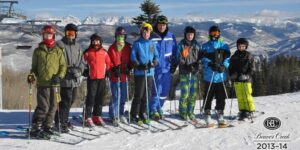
285,107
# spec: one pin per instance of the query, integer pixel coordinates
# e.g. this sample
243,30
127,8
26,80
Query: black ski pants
68,97
216,91
95,97
139,103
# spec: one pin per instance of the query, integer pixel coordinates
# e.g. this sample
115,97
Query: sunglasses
70,33
214,33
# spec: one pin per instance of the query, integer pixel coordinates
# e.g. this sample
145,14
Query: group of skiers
59,65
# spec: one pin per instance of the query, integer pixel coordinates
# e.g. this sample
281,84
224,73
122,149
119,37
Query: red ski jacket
98,61
120,58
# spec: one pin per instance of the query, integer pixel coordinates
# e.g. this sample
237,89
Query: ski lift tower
7,10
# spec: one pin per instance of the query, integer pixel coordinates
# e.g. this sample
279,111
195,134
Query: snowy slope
285,107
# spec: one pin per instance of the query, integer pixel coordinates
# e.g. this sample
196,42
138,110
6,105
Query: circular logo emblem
272,123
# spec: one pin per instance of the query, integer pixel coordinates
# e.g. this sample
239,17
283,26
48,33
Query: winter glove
233,76
195,68
220,68
173,69
244,77
142,67
86,72
76,73
30,79
229,84
107,74
116,71
152,64
213,66
56,80
127,69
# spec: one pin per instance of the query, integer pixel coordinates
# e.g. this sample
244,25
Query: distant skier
49,67
119,53
241,70
188,59
165,44
71,82
98,63
144,56
215,62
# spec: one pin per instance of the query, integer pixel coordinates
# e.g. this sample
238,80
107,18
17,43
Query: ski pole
119,95
224,86
201,111
232,92
199,95
147,100
29,108
245,91
127,93
57,97
83,102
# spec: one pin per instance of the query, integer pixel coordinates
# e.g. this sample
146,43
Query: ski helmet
162,20
146,26
214,31
71,26
189,29
49,29
242,41
120,31
95,36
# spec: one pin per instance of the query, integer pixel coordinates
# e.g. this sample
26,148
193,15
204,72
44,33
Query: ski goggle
70,33
162,21
214,33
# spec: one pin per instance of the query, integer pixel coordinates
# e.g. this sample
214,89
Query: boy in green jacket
49,67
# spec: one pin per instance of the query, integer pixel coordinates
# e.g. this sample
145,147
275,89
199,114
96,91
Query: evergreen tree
150,12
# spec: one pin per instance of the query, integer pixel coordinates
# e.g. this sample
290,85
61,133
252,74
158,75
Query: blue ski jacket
165,46
143,52
209,49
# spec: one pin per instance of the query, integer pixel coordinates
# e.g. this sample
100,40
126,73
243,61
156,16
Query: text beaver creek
276,136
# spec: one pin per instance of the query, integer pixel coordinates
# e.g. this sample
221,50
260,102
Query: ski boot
123,119
161,114
136,120
192,116
207,118
183,116
35,130
115,122
155,116
70,125
98,121
144,118
221,121
64,128
242,115
89,122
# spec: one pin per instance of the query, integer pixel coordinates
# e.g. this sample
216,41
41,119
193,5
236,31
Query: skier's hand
142,67
233,76
213,66
229,84
76,73
86,72
127,69
56,80
173,69
30,79
244,77
220,68
107,74
116,71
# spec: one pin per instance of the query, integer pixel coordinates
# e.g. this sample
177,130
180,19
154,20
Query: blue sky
171,8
